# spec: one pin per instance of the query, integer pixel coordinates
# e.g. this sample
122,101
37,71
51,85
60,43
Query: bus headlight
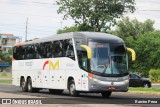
125,78
93,86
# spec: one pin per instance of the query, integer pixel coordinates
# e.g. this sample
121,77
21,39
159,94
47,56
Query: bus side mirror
133,53
88,49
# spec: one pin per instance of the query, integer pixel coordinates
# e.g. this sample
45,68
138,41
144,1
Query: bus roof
87,35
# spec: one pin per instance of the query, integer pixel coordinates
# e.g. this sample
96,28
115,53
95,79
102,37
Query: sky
44,21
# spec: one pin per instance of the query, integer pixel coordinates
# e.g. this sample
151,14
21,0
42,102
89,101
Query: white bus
77,61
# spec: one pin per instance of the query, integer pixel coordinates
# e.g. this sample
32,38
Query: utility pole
61,23
26,29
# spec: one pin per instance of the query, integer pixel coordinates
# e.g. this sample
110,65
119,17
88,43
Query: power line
30,15
30,26
34,2
12,29
30,32
29,29
148,10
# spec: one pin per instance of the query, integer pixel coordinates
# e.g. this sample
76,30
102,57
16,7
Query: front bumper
121,86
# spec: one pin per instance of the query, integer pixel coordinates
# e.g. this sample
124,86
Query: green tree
134,28
147,47
81,27
155,75
67,29
10,51
5,57
96,14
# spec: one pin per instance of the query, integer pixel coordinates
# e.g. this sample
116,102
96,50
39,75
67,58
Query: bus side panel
57,79
17,73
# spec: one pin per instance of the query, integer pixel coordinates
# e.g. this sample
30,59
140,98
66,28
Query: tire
29,86
72,89
106,94
23,85
55,91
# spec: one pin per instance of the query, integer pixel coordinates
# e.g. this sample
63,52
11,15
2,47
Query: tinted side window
30,52
70,50
15,53
37,51
65,46
58,48
47,49
133,76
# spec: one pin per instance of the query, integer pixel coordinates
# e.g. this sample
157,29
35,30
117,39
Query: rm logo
52,65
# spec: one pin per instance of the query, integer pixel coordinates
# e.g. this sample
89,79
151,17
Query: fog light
93,86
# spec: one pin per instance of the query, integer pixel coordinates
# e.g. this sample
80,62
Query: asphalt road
85,98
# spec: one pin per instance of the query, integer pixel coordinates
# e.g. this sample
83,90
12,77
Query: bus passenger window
37,55
70,51
65,46
20,51
15,53
30,52
48,46
58,49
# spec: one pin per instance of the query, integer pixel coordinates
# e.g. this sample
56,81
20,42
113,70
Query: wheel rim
29,86
72,88
23,84
145,85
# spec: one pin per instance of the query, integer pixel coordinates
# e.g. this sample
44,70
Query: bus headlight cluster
93,86
125,78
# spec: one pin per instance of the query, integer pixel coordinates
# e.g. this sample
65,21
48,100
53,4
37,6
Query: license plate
112,88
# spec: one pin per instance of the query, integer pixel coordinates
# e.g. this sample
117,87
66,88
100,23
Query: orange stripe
19,44
90,75
13,59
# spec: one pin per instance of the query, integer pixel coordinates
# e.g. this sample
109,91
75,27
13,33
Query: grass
145,89
6,81
5,78
5,75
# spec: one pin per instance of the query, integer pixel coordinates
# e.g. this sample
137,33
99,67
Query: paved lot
9,91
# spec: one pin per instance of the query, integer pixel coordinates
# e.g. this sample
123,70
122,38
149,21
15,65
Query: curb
156,84
142,92
4,84
5,79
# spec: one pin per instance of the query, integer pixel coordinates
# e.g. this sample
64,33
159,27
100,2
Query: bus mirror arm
88,49
133,53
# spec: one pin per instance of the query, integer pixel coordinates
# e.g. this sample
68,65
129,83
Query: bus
78,61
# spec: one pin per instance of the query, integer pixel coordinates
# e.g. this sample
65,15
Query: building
7,41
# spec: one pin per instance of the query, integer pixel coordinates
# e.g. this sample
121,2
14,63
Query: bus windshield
108,59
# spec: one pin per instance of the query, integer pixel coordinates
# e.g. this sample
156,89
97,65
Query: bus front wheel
72,89
106,94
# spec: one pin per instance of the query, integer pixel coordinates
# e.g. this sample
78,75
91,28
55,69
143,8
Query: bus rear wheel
29,86
72,89
106,94
23,85
55,91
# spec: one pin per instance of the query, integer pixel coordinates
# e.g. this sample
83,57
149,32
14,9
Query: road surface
86,98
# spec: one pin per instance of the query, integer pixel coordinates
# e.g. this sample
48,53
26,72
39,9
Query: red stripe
47,62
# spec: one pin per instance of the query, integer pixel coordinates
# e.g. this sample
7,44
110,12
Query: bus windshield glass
108,59
118,59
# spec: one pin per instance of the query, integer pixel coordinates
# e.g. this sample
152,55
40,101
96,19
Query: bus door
83,63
